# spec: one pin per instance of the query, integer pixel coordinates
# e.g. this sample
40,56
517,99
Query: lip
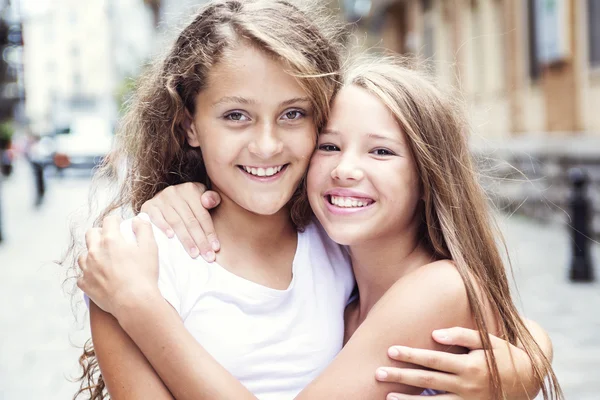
338,192
348,193
263,179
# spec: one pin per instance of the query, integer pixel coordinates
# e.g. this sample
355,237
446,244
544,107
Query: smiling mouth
349,202
262,172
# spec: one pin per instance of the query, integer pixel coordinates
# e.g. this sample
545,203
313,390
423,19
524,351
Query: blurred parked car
84,144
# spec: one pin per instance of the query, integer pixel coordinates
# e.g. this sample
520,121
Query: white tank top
275,342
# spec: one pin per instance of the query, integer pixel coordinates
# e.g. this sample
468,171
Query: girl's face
254,126
362,183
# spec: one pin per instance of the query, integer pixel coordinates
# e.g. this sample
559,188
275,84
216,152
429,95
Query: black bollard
581,263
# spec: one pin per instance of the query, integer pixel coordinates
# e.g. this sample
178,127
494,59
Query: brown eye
383,152
293,115
236,116
328,147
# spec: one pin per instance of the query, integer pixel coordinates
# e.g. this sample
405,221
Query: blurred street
40,335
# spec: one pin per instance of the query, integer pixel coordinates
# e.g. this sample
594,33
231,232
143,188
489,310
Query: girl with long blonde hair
236,105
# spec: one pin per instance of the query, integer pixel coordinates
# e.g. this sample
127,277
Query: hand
182,210
462,376
115,272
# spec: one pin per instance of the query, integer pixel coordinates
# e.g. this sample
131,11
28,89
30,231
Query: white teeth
270,171
347,202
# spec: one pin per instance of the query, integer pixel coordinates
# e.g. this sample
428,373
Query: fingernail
381,374
210,256
215,245
441,335
170,233
394,352
392,397
194,252
211,202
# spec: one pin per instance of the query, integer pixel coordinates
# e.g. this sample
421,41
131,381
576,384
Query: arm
126,372
121,278
469,373
183,363
541,337
431,297
170,208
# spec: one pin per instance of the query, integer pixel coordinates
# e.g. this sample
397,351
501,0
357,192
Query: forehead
247,71
356,110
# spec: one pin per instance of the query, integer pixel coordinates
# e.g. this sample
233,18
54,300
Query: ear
190,129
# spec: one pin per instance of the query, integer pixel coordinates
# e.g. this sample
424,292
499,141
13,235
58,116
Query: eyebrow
244,100
234,99
381,137
370,135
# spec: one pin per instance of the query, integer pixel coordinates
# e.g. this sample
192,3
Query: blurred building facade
77,53
524,66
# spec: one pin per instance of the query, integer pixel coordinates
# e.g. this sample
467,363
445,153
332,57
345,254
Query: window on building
594,30
534,62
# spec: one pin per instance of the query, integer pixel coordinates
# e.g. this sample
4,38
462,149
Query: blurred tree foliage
124,92
6,132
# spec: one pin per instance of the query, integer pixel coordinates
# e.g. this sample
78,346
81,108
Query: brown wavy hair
457,224
151,141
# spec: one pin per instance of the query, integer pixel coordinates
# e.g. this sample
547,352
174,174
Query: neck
379,263
242,229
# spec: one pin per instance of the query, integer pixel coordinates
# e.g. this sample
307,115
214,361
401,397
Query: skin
186,368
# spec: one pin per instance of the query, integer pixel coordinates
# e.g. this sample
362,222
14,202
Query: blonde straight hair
457,223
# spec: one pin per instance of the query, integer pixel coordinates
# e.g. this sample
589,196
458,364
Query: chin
344,235
265,206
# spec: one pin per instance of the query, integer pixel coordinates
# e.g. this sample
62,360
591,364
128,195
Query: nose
266,143
348,169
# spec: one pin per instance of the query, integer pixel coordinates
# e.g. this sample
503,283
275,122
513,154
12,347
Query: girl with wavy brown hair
236,105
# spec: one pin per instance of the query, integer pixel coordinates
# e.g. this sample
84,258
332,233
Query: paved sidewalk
39,334
570,312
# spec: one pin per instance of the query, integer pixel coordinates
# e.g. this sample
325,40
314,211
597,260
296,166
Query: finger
418,378
204,234
158,219
459,336
144,234
111,227
202,230
93,237
401,396
210,199
81,284
82,262
176,216
438,360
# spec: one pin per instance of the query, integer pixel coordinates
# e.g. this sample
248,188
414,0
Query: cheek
318,171
303,145
398,183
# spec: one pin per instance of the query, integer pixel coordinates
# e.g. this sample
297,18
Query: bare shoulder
439,279
435,291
